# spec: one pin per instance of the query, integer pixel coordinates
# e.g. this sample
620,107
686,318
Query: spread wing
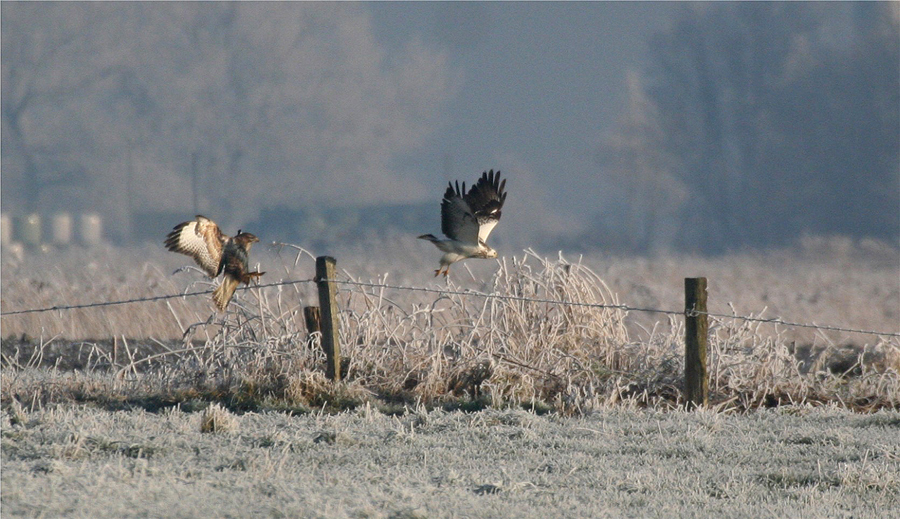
485,200
200,239
457,220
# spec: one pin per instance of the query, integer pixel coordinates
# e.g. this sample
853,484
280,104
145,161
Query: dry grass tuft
17,414
312,390
217,419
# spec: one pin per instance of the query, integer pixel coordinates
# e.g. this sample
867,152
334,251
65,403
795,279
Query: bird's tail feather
429,237
222,294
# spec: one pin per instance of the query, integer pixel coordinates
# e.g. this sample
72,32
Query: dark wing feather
457,220
235,260
236,257
235,264
486,200
200,239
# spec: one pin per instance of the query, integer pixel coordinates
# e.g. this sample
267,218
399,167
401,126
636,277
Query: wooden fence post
696,332
325,274
313,321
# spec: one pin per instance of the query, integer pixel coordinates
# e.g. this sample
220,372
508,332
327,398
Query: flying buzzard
215,252
467,220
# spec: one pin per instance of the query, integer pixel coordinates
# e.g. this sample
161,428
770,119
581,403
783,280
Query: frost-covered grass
412,347
67,461
164,409
833,281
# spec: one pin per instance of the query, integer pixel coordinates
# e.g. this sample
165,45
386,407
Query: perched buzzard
467,220
202,240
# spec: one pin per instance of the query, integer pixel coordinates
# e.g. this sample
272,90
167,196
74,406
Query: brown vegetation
457,349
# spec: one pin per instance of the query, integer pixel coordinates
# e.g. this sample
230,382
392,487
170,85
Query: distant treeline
759,122
752,124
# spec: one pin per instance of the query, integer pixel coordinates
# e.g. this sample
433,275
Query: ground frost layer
85,462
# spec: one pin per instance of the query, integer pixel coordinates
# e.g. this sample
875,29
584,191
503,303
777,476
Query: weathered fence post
325,275
696,331
313,322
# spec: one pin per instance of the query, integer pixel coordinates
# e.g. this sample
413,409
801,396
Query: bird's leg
436,272
251,276
447,272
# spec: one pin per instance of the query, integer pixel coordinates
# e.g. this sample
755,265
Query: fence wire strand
775,320
145,299
468,292
472,293
475,293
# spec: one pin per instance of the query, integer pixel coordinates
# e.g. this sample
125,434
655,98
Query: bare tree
49,59
643,174
775,125
251,103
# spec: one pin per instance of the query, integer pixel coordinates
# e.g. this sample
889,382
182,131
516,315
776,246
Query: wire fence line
471,293
485,295
145,299
775,320
468,292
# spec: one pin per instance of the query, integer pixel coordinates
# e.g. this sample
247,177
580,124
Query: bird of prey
467,220
215,252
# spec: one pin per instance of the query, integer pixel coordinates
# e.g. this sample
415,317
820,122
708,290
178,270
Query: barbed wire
469,292
145,299
775,320
474,293
690,313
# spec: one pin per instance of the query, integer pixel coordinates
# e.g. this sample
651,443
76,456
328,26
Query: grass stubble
83,461
413,358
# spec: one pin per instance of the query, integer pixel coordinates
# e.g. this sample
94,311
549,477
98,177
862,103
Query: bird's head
245,239
484,251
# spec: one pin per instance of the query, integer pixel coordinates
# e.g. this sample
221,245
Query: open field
836,281
786,462
165,409
406,346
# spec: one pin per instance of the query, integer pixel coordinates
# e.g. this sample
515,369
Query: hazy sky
305,106
376,102
540,79
540,84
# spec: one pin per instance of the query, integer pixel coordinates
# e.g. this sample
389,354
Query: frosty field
453,405
788,462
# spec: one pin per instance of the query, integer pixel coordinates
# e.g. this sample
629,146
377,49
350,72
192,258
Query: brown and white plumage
467,219
215,252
